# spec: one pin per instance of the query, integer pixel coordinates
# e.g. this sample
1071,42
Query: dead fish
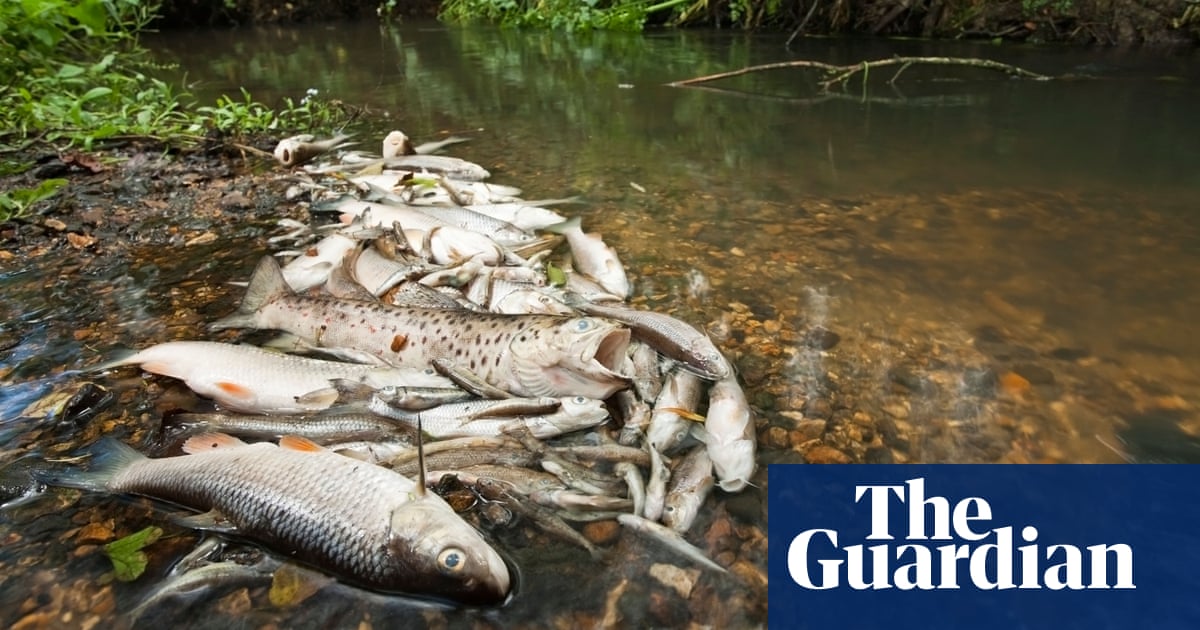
323,428
212,575
542,517
253,380
635,417
397,143
523,215
496,417
464,457
674,338
669,424
656,488
691,482
360,522
635,484
606,452
670,539
729,434
527,355
592,257
313,266
297,150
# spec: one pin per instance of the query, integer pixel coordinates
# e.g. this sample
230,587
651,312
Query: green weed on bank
74,76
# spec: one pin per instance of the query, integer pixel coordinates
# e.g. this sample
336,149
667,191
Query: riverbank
1155,23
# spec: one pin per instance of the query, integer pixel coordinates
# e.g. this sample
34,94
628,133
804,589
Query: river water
961,267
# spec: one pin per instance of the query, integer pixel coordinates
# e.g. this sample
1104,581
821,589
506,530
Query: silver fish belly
360,522
527,355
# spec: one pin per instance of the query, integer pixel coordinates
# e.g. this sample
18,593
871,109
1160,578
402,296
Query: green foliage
74,74
14,203
566,15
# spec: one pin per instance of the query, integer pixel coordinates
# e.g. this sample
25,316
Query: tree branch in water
839,75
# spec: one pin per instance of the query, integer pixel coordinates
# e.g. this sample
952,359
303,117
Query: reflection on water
971,270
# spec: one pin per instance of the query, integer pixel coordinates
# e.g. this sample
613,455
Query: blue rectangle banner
984,546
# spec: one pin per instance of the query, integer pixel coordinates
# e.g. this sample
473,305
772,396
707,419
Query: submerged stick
840,74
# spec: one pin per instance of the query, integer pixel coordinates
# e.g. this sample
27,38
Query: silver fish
691,482
669,538
729,434
656,488
522,215
680,396
674,338
323,428
297,150
634,483
253,380
313,266
362,523
482,418
527,355
593,258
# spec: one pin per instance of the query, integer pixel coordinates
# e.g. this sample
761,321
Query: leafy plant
15,203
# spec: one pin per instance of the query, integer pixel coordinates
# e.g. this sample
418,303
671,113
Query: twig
840,74
803,22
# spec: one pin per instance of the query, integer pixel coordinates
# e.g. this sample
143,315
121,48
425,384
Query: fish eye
583,324
579,400
452,561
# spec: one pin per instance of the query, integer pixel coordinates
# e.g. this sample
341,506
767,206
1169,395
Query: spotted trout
527,355
360,522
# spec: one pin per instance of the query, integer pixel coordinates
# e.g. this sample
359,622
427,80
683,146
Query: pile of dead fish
441,302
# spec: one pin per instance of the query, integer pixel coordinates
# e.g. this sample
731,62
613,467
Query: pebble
1013,384
822,454
1035,374
602,532
808,430
671,576
821,338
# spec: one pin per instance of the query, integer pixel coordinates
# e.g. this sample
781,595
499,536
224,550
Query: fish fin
109,457
468,380
298,443
420,492
574,223
266,285
211,521
322,398
209,442
700,433
683,413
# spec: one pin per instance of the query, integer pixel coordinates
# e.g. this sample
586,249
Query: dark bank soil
1158,23
137,196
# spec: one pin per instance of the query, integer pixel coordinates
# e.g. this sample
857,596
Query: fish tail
122,358
267,284
109,458
574,223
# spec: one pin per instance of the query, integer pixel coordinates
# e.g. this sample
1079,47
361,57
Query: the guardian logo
949,546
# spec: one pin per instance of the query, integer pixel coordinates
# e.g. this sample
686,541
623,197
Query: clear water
957,229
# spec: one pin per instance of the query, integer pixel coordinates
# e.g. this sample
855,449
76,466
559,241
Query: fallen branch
835,75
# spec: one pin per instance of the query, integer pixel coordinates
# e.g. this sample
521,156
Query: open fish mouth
610,352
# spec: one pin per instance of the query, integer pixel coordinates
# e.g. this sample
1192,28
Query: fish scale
356,520
528,355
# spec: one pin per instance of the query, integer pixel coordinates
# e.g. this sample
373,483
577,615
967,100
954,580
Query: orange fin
682,413
297,443
209,441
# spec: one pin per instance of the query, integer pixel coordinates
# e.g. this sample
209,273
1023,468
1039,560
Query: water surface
1007,267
